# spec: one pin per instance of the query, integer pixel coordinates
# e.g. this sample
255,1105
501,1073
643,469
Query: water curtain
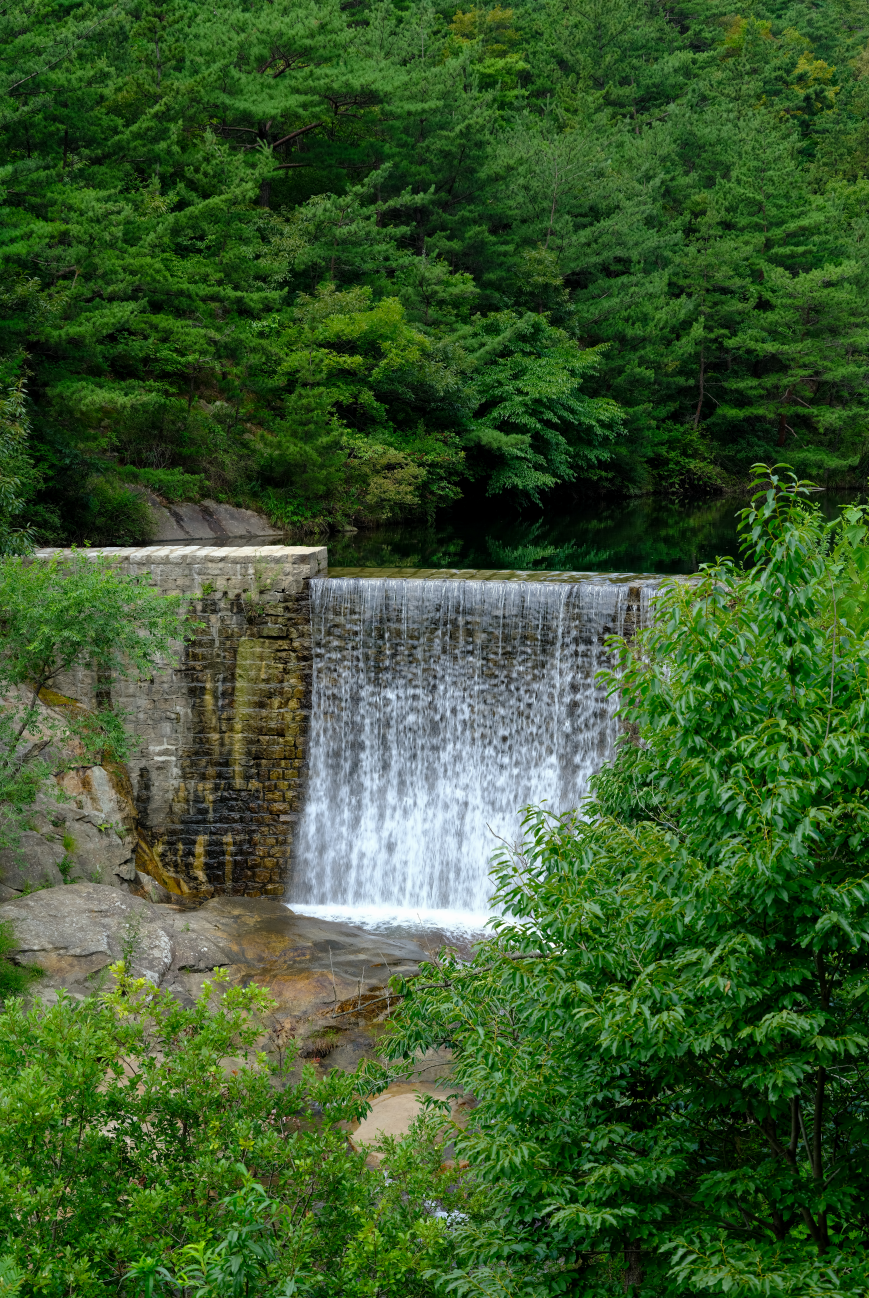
439,708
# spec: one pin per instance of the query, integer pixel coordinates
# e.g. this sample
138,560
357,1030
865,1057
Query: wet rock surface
314,969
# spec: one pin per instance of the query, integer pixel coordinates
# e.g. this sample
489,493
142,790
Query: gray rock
74,932
310,966
206,521
100,855
91,833
32,863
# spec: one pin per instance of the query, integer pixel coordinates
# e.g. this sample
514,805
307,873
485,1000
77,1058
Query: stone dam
360,738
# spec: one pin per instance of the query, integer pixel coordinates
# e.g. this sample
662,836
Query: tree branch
64,55
294,135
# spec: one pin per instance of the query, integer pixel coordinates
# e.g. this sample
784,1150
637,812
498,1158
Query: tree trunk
782,428
633,1269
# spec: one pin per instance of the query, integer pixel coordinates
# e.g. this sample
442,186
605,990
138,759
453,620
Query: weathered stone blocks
220,757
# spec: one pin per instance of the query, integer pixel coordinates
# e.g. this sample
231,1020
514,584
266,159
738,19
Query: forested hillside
343,260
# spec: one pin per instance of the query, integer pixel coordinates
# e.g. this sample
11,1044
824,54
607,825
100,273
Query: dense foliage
344,259
150,1148
15,466
66,612
669,1037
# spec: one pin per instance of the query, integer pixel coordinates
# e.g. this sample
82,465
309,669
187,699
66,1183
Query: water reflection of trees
647,535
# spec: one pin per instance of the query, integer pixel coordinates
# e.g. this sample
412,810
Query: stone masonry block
220,736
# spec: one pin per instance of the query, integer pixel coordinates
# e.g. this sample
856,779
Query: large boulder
207,521
72,933
33,863
311,967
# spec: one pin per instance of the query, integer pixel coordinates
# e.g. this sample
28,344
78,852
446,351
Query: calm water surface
644,535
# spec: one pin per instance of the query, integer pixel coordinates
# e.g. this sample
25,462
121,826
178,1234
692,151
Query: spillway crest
439,708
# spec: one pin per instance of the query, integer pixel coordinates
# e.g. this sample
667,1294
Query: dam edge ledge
220,767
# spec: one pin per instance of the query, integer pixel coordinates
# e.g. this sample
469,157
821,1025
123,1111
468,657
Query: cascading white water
439,709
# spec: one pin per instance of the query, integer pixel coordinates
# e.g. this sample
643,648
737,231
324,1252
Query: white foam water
389,920
439,709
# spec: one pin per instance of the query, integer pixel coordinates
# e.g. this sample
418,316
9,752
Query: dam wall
361,739
221,739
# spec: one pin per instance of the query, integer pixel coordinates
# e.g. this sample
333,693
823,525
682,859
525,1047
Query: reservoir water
646,534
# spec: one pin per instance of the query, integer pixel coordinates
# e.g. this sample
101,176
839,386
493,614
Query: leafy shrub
115,514
285,509
14,978
151,1146
172,484
669,1037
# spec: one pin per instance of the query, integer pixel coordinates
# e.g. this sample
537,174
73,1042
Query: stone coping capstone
195,553
501,574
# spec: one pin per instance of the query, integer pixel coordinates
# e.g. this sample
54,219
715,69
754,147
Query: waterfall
439,709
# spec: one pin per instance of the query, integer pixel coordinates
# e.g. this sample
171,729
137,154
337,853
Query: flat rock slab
74,931
208,520
311,966
393,1111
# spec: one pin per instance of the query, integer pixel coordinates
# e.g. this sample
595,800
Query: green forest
665,1033
348,262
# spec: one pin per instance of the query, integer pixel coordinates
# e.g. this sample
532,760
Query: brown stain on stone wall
632,619
248,678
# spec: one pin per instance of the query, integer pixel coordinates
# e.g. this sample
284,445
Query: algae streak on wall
221,739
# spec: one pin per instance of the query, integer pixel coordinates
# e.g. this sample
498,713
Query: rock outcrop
83,822
311,967
73,933
207,521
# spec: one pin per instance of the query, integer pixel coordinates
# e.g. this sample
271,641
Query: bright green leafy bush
14,977
669,1037
151,1148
